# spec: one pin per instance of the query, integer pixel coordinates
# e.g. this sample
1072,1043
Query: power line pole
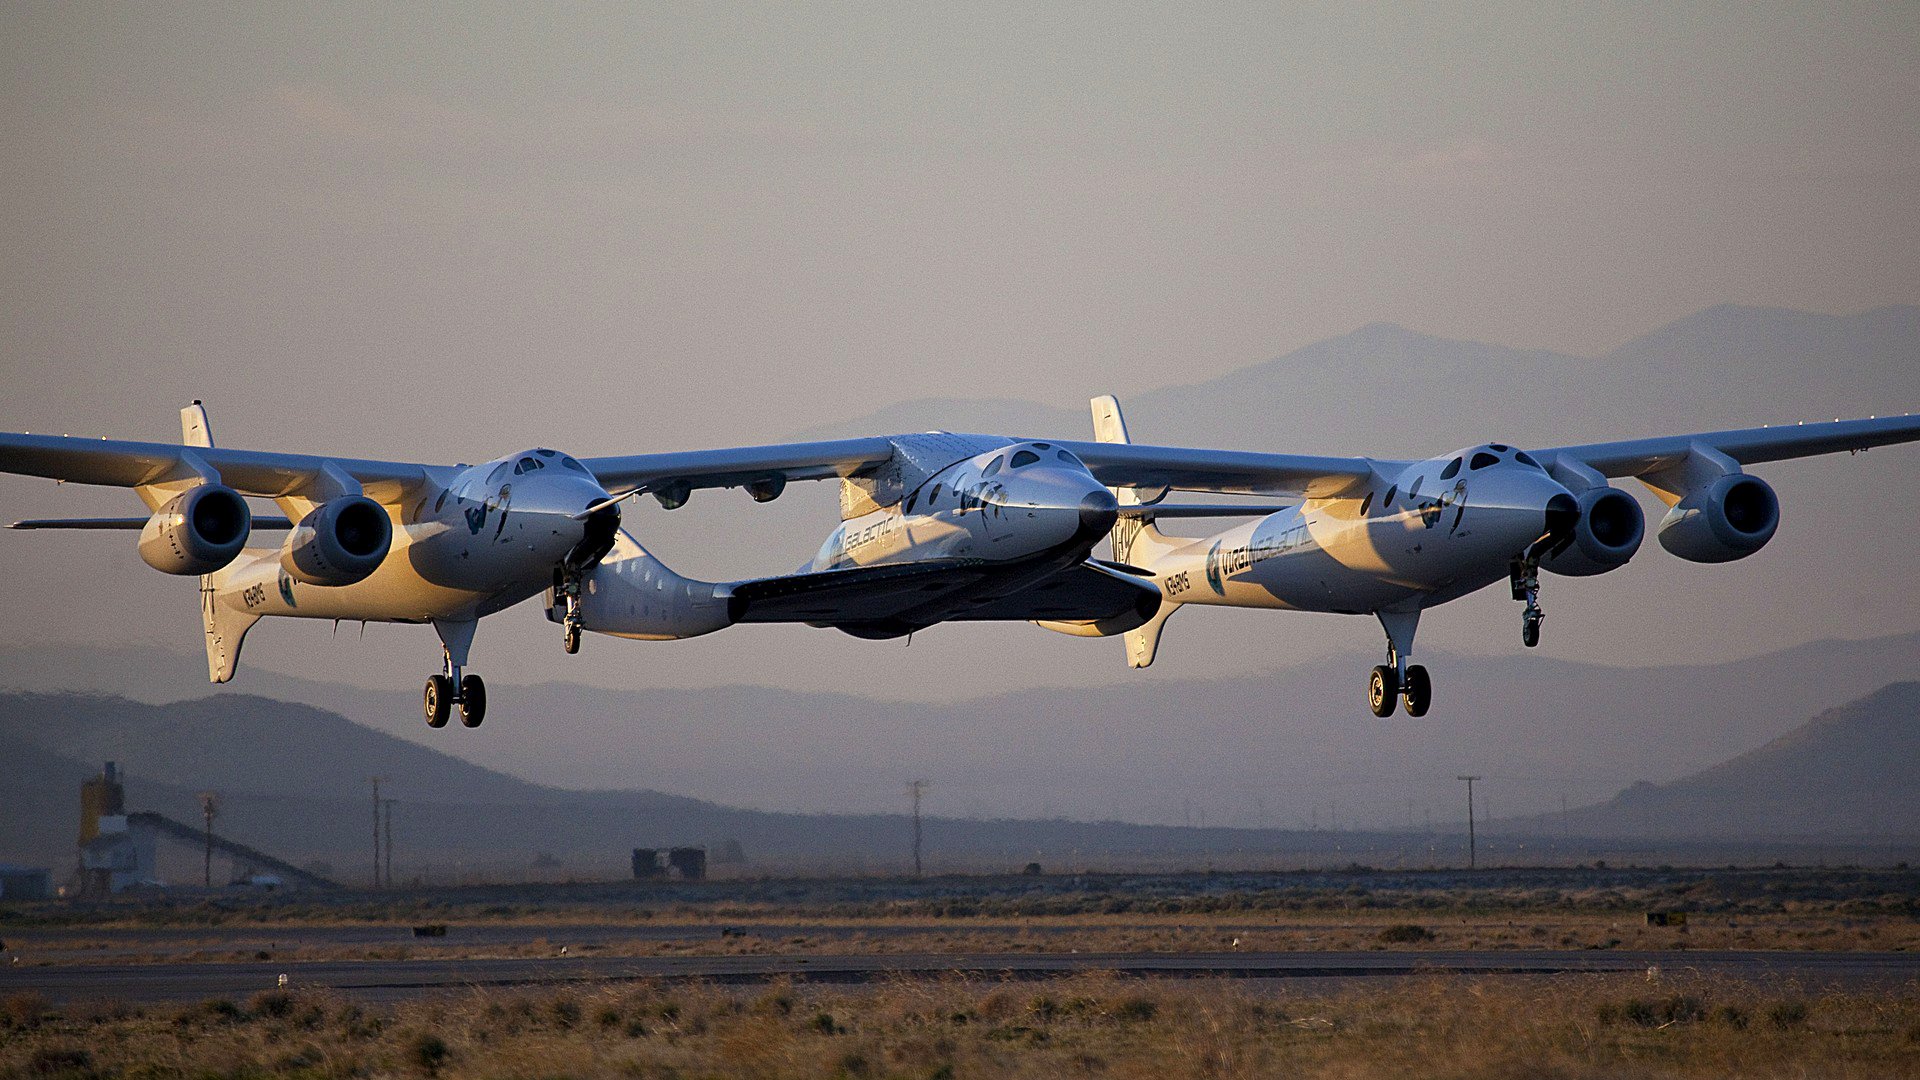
389,838
1472,853
209,807
376,830
915,788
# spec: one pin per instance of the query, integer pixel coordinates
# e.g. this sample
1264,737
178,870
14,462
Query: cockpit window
1024,457
527,465
1523,459
1066,457
1414,491
1483,459
568,463
544,453
1452,470
993,467
499,471
1042,446
1498,448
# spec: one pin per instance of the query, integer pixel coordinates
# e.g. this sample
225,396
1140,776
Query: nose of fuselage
1069,505
1522,505
556,502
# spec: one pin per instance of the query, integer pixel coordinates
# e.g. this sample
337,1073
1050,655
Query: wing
739,466
1749,446
891,600
117,463
1230,472
1077,594
130,524
864,595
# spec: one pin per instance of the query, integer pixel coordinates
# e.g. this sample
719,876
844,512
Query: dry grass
1089,1025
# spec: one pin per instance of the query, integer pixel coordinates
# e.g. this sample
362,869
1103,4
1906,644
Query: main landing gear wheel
473,700
1530,627
571,640
1383,689
1417,694
439,700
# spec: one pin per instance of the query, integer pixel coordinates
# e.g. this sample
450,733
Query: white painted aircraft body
935,527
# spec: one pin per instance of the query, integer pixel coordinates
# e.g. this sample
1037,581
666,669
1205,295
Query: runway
400,979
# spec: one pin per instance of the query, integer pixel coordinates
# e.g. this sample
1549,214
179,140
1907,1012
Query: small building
656,864
647,865
25,882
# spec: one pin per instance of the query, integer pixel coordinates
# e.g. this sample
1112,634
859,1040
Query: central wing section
1227,472
891,601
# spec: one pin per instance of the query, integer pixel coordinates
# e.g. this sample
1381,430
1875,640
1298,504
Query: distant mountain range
293,781
1853,770
1286,749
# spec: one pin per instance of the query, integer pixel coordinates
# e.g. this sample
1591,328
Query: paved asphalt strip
398,979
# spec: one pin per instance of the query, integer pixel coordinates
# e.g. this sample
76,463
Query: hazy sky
445,232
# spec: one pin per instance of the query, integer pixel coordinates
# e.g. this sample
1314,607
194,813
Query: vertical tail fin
226,626
1134,534
194,427
1135,540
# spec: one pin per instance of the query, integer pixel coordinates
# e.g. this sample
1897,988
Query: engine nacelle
199,531
339,543
1610,529
1730,518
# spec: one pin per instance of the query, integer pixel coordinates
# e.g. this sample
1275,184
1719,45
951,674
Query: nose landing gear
451,688
569,591
1526,586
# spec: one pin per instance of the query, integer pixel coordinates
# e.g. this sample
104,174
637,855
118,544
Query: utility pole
915,788
209,807
1472,853
376,830
389,848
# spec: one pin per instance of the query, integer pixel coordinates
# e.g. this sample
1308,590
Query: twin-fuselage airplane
934,528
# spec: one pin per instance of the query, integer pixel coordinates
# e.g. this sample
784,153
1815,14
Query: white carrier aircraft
935,527
1392,538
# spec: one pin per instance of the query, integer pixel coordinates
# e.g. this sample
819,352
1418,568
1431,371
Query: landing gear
439,700
569,590
1396,681
1526,586
473,700
1383,689
450,687
1417,692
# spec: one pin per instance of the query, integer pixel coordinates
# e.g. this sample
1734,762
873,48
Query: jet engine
199,531
339,543
1606,535
1728,519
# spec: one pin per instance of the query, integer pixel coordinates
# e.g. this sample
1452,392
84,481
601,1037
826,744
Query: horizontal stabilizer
133,523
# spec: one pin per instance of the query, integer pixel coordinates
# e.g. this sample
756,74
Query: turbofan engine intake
199,531
1607,533
1729,519
339,543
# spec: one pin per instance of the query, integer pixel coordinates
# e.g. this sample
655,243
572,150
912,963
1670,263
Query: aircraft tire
1418,693
571,640
439,700
1530,631
473,701
1383,690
